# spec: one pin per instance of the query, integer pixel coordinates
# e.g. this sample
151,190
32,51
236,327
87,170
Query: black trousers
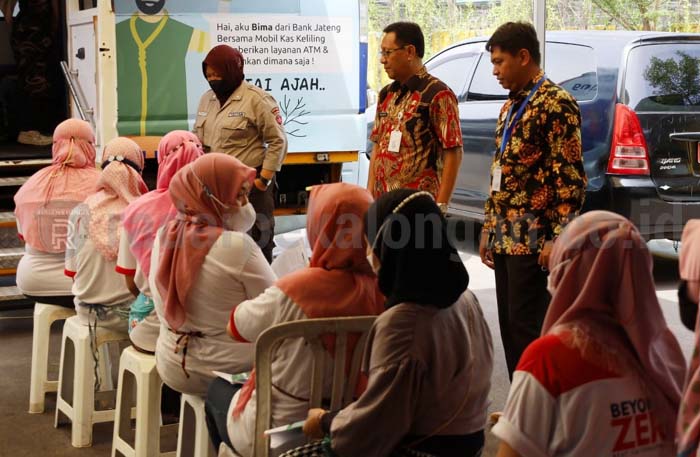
521,292
38,72
216,406
263,231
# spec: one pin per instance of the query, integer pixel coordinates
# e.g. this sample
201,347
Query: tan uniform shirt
248,127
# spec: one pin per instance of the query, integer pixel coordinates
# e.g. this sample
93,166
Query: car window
573,67
663,77
454,70
484,85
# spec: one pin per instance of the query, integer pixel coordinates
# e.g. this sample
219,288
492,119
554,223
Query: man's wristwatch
443,208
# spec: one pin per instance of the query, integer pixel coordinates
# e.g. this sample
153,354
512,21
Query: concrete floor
23,434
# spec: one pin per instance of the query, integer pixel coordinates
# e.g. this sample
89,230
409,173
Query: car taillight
628,154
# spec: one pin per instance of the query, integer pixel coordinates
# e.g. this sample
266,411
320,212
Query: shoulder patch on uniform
276,113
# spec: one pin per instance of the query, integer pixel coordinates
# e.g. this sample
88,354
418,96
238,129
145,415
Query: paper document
291,259
239,378
285,428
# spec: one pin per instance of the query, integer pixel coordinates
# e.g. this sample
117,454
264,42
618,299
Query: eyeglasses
385,53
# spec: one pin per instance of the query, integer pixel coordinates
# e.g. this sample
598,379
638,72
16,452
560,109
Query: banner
306,53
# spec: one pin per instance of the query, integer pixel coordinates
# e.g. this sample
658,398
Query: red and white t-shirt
562,405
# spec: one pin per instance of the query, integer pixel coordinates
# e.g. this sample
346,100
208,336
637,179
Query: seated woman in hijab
429,357
605,377
204,264
42,207
688,424
142,219
338,282
101,296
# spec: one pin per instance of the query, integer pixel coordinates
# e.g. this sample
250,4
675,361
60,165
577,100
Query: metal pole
539,16
86,113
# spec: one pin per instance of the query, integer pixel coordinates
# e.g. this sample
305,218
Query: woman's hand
312,426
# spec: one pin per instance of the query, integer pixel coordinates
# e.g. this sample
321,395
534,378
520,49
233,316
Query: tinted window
573,67
663,77
453,71
484,85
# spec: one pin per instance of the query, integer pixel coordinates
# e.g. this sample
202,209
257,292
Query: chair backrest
344,382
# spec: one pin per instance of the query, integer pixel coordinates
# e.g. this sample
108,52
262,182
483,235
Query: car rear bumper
636,199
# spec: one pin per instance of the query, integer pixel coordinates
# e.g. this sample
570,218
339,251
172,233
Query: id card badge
395,141
496,180
395,138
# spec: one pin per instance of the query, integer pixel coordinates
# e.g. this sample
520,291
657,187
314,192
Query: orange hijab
338,282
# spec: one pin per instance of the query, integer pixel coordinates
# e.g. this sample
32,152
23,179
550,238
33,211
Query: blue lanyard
510,126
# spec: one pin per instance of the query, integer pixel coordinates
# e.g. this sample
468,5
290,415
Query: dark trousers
521,292
38,71
263,231
216,406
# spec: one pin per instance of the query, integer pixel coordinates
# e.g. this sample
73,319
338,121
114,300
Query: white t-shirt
94,279
41,273
562,405
129,266
234,270
290,368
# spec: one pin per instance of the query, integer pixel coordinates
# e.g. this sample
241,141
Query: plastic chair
343,382
76,393
193,435
44,316
139,380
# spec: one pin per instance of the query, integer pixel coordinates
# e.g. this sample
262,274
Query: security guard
242,120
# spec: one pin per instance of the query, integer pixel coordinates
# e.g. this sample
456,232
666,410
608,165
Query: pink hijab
688,426
603,298
338,282
145,215
186,241
44,202
119,185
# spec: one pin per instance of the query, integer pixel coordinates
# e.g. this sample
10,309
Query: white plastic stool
44,316
193,437
76,379
138,371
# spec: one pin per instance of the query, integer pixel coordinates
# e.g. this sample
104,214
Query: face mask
242,220
221,88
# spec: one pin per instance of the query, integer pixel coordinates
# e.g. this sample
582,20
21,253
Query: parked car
639,94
